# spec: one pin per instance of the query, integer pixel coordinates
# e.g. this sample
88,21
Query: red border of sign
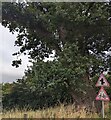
102,88
102,75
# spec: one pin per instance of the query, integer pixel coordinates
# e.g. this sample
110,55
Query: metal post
103,109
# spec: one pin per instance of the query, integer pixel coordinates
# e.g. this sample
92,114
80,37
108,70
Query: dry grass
56,112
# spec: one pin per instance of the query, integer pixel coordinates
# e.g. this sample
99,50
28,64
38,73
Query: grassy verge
56,112
109,112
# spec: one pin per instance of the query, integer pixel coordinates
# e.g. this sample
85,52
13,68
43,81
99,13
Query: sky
8,73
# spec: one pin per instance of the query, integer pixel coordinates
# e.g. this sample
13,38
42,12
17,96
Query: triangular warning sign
102,95
102,81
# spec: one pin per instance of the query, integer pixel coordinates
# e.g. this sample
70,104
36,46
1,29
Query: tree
60,81
44,27
79,35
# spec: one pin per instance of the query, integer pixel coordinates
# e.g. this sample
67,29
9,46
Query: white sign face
102,95
102,81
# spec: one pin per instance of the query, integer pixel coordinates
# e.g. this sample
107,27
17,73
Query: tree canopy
43,27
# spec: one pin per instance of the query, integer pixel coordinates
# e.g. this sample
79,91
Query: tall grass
56,112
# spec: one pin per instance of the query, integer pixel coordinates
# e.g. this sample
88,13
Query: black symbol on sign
102,95
102,81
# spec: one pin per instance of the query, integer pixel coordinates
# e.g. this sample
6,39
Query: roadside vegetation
77,37
56,112
61,111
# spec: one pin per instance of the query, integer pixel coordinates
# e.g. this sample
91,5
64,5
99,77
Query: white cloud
8,73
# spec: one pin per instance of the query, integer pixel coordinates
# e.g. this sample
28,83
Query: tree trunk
88,100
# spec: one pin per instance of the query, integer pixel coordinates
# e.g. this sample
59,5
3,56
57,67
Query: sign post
103,108
102,95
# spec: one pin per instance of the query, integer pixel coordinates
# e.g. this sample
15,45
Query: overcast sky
8,73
